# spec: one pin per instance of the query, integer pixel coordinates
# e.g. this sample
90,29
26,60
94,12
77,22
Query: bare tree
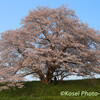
51,43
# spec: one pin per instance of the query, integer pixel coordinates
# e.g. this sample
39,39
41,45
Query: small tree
51,42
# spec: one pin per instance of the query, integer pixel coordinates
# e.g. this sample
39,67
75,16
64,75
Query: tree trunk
60,82
46,80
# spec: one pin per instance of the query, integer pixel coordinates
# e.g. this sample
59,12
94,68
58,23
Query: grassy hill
36,91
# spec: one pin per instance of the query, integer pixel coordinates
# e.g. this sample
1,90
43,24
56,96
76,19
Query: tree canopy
51,42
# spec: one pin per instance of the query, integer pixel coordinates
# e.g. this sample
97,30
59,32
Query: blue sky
12,11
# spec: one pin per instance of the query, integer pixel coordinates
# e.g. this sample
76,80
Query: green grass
37,91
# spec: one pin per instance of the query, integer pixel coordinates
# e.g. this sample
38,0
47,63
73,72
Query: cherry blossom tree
51,43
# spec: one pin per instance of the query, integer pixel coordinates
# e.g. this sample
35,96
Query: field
37,91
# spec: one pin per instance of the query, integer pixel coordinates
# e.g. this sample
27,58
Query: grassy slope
37,91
